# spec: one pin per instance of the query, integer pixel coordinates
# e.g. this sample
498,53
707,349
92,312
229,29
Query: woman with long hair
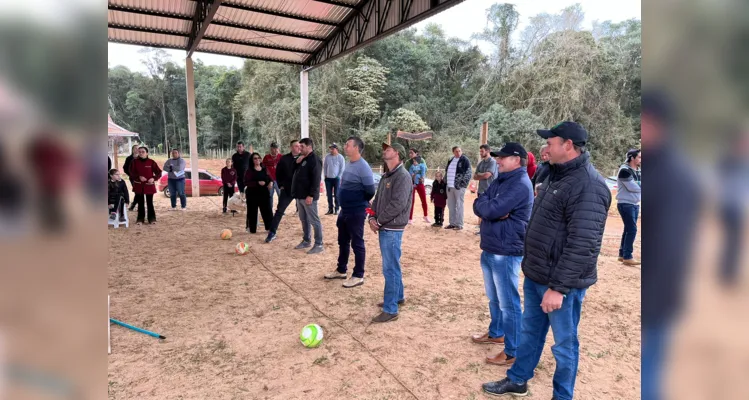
144,172
258,185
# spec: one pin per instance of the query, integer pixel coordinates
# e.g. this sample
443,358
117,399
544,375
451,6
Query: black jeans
439,215
331,191
257,200
629,213
118,207
228,192
284,199
139,199
240,182
351,236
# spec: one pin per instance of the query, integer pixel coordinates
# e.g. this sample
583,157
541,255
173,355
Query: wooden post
389,134
324,140
115,154
484,133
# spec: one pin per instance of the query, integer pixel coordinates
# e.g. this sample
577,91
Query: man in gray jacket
389,217
628,203
175,166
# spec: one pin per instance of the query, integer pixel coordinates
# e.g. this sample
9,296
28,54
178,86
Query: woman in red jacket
144,172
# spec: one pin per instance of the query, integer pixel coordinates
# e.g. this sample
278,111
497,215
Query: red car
209,184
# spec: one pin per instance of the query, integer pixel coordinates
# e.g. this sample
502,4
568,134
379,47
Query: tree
364,85
407,121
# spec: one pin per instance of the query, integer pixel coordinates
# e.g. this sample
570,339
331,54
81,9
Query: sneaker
410,222
271,237
316,250
500,359
427,220
400,303
303,245
631,261
122,218
353,282
335,212
450,227
330,212
436,225
458,228
505,386
385,317
336,275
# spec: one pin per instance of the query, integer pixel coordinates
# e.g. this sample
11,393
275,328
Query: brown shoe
620,259
500,359
485,339
400,303
385,317
631,261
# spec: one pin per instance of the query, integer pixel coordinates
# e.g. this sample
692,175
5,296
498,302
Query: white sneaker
183,209
336,275
353,282
172,209
426,219
410,222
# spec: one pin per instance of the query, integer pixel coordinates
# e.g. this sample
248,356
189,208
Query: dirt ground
232,322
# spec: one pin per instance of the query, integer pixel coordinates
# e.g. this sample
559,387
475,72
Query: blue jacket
511,193
418,171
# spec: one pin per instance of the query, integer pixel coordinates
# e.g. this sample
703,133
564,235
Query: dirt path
232,322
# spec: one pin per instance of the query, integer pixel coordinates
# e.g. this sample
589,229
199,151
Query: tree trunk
231,130
163,115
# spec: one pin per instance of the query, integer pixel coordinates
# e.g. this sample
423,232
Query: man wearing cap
504,209
628,192
270,161
559,261
389,217
457,175
333,167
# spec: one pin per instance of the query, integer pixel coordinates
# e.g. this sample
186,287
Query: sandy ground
232,322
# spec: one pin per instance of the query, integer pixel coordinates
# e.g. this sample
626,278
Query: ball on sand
311,335
242,248
226,234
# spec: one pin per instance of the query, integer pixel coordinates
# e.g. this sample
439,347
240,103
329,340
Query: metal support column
192,127
304,92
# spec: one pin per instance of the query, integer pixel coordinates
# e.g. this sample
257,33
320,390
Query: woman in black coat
258,185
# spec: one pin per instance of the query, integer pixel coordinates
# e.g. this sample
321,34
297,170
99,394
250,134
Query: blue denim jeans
535,326
390,247
275,190
501,278
332,185
655,339
629,213
177,188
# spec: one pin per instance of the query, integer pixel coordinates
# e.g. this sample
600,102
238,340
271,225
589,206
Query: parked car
209,184
427,182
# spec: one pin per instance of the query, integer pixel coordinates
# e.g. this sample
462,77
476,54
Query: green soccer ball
311,335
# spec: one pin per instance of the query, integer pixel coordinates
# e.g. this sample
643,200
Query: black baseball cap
510,149
566,130
333,146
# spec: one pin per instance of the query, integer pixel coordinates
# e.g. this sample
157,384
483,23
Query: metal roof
308,33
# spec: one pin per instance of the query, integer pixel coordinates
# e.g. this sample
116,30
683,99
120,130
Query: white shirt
451,172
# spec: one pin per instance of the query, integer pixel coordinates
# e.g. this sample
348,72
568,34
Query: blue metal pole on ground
156,335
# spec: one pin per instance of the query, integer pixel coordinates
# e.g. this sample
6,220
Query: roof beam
336,3
147,30
166,46
111,7
204,13
279,14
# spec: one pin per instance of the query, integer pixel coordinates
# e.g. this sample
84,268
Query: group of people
142,173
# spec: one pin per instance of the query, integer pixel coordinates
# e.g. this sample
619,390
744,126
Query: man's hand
111,206
261,183
504,217
552,301
373,225
308,201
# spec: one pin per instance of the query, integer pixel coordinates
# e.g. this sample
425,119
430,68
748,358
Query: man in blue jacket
504,208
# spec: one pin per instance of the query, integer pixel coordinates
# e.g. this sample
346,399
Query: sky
458,21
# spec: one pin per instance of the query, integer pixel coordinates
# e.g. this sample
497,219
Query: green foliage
407,121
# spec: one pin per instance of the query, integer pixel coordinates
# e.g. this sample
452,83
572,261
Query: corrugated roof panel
249,51
246,35
179,7
305,8
272,22
147,21
147,39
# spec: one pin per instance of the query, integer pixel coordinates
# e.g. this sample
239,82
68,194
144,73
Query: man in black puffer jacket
562,244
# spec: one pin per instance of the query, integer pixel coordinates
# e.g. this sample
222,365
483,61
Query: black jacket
307,177
241,162
463,172
115,190
566,227
285,172
542,172
126,166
